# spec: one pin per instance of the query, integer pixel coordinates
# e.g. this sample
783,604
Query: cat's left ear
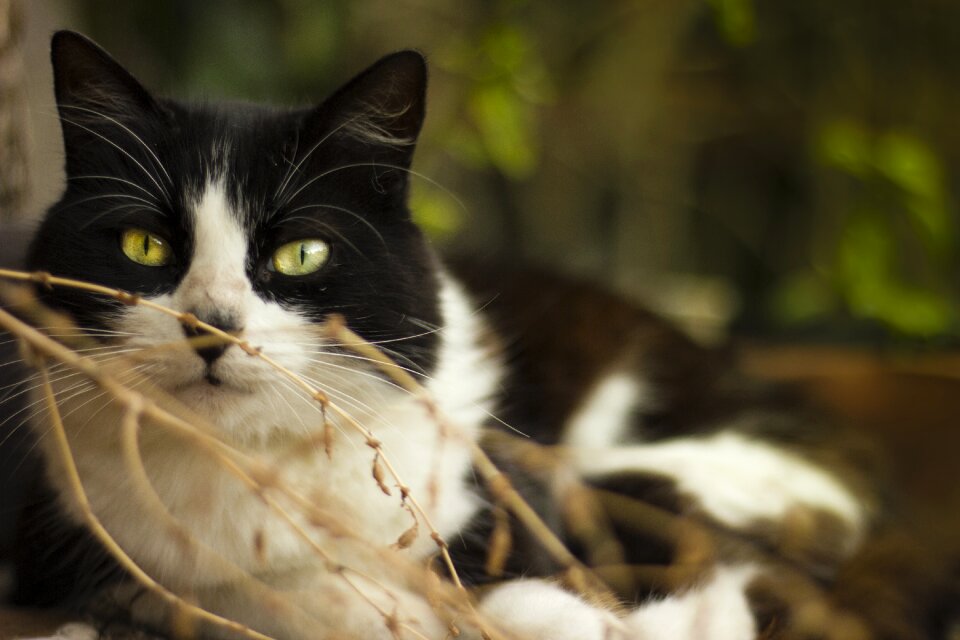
380,111
97,99
87,78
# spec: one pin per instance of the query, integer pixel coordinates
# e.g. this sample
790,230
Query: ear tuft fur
384,105
87,77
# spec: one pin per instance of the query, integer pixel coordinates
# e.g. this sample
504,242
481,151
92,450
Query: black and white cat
263,222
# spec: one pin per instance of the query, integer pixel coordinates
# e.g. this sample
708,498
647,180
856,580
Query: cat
265,223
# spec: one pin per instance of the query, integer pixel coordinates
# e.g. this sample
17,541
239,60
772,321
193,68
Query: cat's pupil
303,253
146,244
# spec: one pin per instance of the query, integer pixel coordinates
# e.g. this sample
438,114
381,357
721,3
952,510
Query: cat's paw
540,610
715,610
72,631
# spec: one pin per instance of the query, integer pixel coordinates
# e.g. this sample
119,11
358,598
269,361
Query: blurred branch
14,177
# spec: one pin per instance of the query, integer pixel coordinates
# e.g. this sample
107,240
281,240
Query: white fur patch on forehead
218,237
218,263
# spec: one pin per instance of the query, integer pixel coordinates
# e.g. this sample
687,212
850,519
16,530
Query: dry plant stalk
98,530
577,575
695,543
252,473
188,319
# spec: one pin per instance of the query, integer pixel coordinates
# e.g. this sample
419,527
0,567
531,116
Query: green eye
145,248
301,257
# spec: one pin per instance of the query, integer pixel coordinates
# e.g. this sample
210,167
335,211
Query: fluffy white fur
605,415
72,631
715,610
538,609
737,480
262,415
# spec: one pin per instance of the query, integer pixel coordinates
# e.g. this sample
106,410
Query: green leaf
844,145
913,166
505,125
438,213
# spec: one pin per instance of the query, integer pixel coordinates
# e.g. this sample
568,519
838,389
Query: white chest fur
256,412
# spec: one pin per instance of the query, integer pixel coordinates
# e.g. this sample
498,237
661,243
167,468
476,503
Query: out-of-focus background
782,168
780,172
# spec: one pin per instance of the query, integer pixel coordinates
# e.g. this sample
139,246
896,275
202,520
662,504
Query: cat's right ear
89,83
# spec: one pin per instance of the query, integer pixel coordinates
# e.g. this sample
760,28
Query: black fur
338,171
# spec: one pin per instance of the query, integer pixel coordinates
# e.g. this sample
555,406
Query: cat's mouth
211,381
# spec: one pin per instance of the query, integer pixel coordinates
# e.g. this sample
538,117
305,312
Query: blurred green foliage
735,21
507,81
900,202
803,151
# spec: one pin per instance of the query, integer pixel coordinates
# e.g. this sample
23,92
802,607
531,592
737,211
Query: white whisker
327,228
160,189
355,215
123,180
296,168
356,165
125,128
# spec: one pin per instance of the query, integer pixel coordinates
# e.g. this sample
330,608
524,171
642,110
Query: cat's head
258,220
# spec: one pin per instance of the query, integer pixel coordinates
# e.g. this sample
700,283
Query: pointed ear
87,78
380,111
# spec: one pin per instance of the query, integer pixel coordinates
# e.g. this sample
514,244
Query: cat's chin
221,403
210,386
209,389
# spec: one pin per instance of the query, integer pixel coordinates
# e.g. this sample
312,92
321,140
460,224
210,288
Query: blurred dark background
778,172
779,168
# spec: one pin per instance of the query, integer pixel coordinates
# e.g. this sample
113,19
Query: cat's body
225,190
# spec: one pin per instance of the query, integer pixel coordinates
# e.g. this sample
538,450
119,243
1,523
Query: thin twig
104,537
579,576
257,479
48,280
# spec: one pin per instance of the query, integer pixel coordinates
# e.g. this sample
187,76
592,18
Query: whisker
356,165
329,229
353,356
81,387
320,330
125,128
344,398
123,180
326,173
283,397
160,189
148,204
364,374
291,168
120,207
296,168
21,389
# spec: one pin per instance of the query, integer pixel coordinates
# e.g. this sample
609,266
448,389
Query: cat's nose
211,349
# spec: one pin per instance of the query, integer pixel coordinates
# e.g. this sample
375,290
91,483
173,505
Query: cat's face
258,221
